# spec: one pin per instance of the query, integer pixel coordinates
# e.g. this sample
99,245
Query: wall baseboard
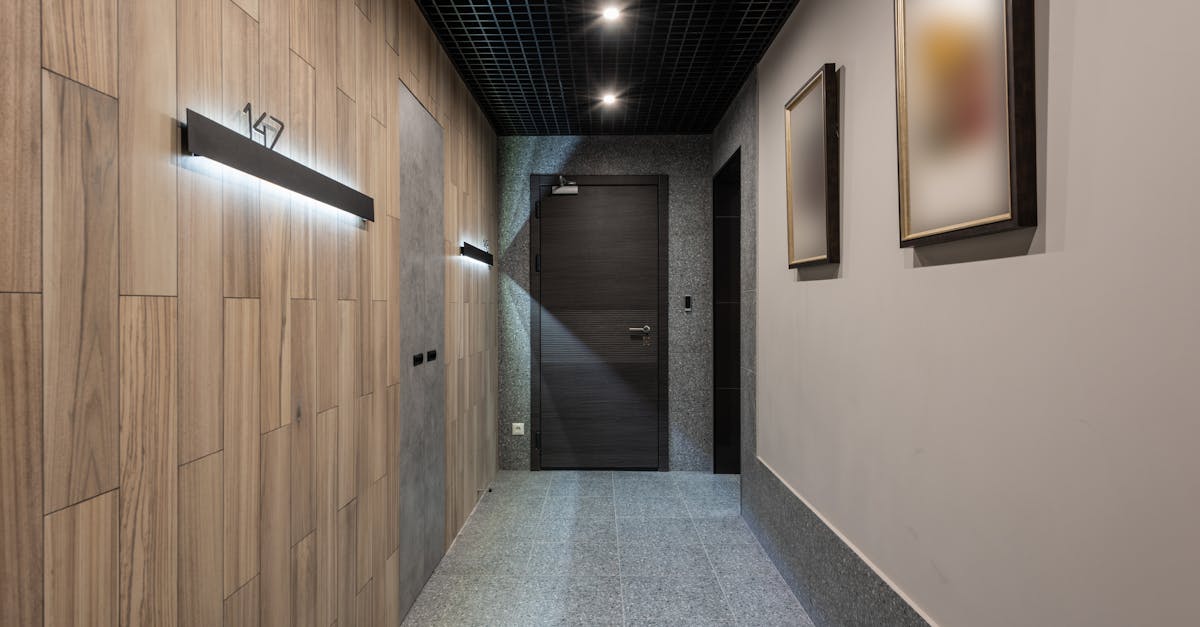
835,585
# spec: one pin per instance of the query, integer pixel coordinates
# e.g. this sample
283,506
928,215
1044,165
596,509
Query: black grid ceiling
540,67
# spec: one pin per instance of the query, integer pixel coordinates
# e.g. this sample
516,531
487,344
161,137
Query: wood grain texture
347,566
242,607
20,148
200,523
348,422
301,135
275,562
348,17
241,463
303,417
21,459
304,582
79,41
79,188
326,517
304,29
80,578
149,147
199,224
250,7
349,229
149,467
240,212
275,363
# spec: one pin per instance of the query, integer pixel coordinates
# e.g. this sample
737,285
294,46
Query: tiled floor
607,548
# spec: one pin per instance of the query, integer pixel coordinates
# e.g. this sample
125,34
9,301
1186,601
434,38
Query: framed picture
813,162
965,104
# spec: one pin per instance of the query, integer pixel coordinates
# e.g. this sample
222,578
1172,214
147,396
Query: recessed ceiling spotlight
611,14
609,99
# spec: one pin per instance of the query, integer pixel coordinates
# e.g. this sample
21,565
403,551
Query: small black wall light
477,254
207,138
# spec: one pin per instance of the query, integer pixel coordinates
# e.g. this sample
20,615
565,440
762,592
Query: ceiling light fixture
609,99
611,14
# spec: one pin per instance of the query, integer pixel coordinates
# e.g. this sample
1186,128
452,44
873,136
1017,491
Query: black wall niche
727,316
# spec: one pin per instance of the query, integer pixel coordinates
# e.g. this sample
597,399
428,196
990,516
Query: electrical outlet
518,428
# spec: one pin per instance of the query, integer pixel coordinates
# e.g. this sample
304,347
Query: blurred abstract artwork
965,90
813,166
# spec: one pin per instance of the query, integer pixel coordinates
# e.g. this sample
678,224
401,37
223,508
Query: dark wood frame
538,189
826,79
1022,129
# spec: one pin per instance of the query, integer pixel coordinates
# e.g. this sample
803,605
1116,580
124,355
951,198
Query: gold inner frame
817,80
902,135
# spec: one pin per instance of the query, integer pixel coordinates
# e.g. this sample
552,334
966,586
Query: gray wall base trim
835,586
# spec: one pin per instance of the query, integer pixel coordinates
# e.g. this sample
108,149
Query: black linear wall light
478,254
207,138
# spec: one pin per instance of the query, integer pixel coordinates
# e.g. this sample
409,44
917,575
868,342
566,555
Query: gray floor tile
724,530
722,506
563,559
664,559
741,560
576,601
650,507
577,507
679,531
666,601
572,529
763,601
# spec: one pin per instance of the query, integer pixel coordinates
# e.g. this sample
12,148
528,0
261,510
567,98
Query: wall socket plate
518,428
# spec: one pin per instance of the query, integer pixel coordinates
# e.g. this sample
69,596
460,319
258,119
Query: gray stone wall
686,160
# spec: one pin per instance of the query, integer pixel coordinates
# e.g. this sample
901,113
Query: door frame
536,183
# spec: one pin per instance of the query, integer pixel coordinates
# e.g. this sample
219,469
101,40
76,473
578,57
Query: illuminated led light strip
477,254
207,138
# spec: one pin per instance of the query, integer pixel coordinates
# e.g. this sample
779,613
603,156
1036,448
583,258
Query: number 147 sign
263,128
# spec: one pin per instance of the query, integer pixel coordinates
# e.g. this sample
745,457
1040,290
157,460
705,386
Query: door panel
599,383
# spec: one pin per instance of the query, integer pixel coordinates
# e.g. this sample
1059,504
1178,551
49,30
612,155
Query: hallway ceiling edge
542,67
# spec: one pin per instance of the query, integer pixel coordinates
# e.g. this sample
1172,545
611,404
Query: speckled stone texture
833,584
686,160
607,548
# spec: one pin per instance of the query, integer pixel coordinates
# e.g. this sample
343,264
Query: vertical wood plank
391,590
325,248
80,578
21,459
348,422
392,515
348,229
149,468
347,556
326,498
275,578
303,417
250,7
366,604
371,514
301,129
200,520
240,198
395,359
304,582
375,449
79,188
20,148
149,147
242,607
79,41
241,463
363,418
347,47
200,283
304,15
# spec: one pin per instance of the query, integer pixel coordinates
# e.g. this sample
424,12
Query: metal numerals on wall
261,127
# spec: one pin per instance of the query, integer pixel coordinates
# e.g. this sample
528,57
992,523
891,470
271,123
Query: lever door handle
643,330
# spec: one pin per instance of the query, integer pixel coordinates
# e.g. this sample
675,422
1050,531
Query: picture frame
966,118
813,162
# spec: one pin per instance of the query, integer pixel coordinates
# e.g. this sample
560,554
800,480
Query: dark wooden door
599,317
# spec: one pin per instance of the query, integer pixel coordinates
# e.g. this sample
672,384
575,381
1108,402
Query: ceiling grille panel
540,68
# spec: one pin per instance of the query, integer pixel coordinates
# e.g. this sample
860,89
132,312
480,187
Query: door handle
643,330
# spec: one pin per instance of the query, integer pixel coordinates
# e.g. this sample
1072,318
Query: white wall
1013,441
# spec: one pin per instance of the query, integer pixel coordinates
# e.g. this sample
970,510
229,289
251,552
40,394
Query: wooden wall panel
149,462
81,567
241,539
20,148
220,362
79,41
275,577
149,144
21,459
79,191
200,523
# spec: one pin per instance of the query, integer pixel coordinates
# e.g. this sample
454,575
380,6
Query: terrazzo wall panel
686,160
